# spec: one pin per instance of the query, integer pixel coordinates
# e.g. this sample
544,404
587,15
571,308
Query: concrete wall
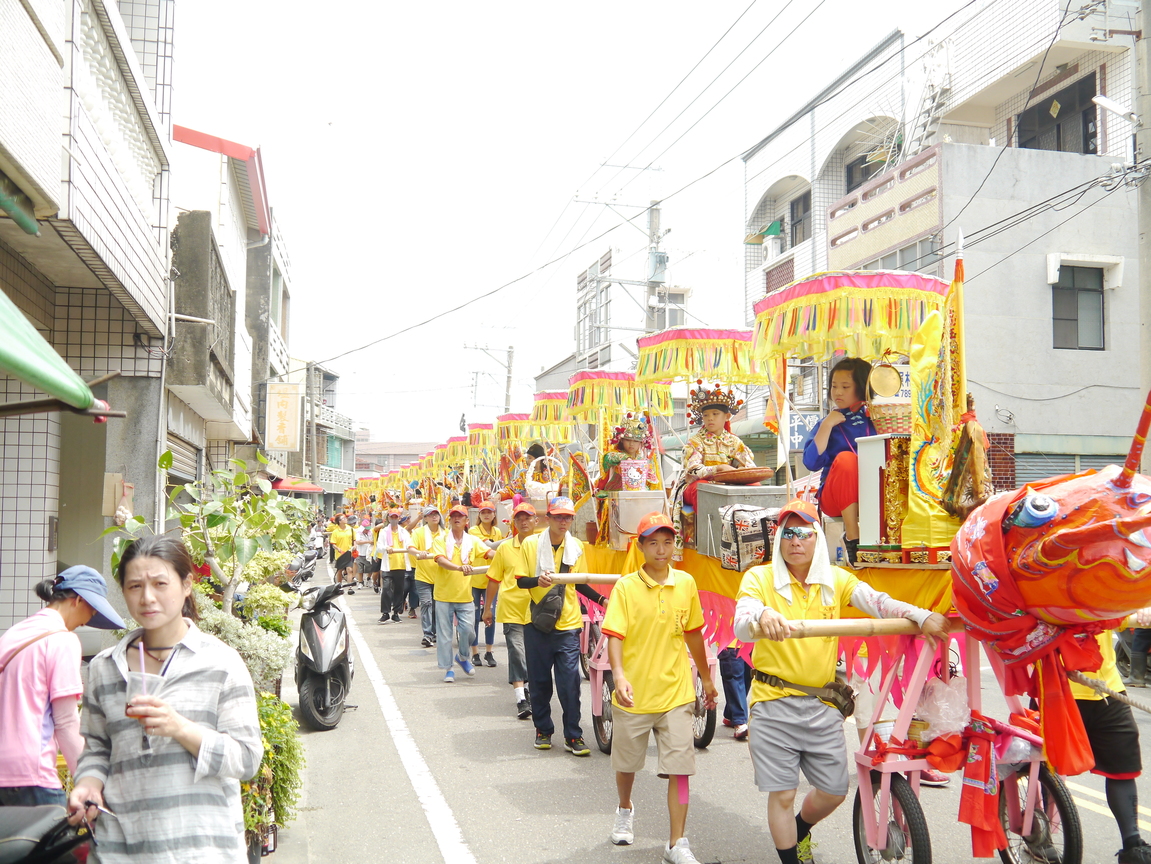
1011,361
82,447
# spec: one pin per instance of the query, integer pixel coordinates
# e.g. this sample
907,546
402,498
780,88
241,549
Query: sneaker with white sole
623,834
931,777
741,732
680,853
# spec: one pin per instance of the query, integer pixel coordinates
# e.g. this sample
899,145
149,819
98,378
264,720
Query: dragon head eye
1031,512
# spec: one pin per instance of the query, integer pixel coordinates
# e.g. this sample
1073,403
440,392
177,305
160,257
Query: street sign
800,423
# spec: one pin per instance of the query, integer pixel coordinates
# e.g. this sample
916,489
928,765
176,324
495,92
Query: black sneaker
543,742
395,617
490,659
384,619
1140,854
476,660
523,709
376,589
576,747
424,643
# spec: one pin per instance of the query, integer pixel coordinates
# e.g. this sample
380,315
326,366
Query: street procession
817,530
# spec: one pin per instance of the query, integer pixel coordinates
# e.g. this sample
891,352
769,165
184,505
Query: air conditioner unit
772,247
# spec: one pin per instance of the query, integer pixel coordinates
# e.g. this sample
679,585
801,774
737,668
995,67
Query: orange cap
653,522
561,506
805,510
486,505
524,508
460,509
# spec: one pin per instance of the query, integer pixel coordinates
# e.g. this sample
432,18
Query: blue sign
800,424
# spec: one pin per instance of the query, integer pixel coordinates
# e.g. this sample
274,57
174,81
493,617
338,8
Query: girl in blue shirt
831,446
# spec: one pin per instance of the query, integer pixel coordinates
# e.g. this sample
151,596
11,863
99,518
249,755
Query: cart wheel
703,719
593,635
907,837
1056,836
602,723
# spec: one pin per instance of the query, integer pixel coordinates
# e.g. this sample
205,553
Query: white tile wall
29,495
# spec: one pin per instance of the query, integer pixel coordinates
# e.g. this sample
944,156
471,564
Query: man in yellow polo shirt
552,645
512,610
456,557
790,729
652,614
426,541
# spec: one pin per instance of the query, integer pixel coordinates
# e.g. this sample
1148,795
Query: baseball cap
91,586
803,509
486,505
460,510
561,506
653,522
524,508
395,511
428,511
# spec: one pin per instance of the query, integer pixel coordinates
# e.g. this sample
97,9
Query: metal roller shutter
1033,467
185,459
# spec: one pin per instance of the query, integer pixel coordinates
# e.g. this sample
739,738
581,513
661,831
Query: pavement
423,772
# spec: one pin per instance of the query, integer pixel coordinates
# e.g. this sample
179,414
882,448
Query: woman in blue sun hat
40,685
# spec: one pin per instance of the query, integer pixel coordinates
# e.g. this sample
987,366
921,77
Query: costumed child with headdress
713,450
631,440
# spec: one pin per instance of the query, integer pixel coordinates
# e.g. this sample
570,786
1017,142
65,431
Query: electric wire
698,96
1007,143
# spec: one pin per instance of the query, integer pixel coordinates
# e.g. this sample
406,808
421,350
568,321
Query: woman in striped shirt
168,763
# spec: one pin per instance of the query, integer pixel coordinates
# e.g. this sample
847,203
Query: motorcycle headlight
305,647
308,601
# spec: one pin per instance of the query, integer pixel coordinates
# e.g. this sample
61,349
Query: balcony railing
337,477
337,423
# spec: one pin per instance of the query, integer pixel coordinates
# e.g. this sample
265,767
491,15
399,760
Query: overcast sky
418,155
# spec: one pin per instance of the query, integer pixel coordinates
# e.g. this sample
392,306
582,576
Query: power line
737,83
1007,143
717,76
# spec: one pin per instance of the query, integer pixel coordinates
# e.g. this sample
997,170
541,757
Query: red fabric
947,753
841,488
992,607
979,799
690,493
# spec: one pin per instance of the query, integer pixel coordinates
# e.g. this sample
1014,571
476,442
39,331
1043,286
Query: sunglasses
800,533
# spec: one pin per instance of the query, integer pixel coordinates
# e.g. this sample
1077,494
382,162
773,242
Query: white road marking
1087,790
440,817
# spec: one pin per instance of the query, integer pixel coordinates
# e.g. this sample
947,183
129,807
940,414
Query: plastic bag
944,707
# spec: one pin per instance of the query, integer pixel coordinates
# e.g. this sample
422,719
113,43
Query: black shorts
1114,737
344,561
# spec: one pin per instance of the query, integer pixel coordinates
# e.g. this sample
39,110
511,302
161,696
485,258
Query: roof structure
249,168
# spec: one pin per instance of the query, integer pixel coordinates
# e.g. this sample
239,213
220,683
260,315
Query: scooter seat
22,827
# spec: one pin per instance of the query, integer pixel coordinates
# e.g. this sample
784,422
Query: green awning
773,229
26,355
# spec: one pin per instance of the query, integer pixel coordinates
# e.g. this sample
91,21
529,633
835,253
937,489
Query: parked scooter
324,666
39,835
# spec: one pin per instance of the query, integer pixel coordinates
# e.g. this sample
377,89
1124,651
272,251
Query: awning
27,356
296,484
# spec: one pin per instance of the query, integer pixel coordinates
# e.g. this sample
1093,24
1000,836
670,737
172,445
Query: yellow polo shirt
395,561
652,619
480,580
1108,673
811,661
571,616
514,602
452,586
423,540
343,538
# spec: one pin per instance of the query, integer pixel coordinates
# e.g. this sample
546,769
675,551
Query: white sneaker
623,834
680,853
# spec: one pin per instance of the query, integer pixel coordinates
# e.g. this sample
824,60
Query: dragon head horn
1135,456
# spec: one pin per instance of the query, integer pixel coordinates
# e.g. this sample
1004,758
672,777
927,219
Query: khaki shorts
674,739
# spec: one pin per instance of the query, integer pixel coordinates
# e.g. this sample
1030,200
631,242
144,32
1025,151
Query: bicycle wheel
602,724
703,719
907,837
1056,836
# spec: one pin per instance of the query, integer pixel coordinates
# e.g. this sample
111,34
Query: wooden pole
585,578
856,627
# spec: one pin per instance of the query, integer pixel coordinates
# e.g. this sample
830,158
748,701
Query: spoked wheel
907,837
1055,837
592,641
312,702
602,723
703,718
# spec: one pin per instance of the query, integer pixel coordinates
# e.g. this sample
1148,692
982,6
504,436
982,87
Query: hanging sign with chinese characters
284,406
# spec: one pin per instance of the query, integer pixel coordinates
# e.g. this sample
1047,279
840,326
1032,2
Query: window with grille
1077,309
800,209
859,171
921,256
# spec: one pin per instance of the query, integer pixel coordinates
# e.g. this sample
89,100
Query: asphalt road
423,772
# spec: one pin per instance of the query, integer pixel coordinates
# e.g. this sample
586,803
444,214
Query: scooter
304,567
324,666
39,835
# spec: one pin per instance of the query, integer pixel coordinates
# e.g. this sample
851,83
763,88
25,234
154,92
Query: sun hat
561,506
803,509
90,586
653,522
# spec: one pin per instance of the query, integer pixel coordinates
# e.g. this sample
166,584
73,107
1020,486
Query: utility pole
508,385
656,268
312,402
1143,151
